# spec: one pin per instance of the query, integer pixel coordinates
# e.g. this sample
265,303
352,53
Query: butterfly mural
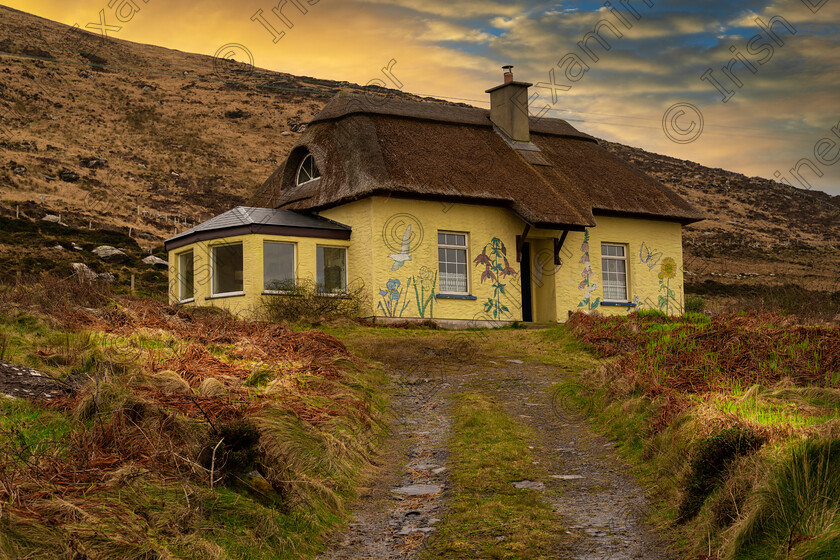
648,257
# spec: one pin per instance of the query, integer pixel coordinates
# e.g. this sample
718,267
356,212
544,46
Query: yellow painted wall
379,224
650,243
248,304
359,216
384,222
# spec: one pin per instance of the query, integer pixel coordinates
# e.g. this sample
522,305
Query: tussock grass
796,511
719,494
190,436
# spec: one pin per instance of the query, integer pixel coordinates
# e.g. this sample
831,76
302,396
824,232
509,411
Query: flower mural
391,296
496,268
424,291
588,287
667,271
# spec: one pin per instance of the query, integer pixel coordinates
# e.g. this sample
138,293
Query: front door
525,279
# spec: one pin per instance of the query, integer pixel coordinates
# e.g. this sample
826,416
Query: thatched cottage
450,213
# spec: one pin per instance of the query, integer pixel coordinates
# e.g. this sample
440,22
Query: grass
130,468
765,410
34,427
554,346
796,511
717,498
488,517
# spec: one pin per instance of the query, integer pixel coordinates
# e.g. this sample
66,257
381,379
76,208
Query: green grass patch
33,426
488,517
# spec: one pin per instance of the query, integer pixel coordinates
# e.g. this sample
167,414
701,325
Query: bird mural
403,256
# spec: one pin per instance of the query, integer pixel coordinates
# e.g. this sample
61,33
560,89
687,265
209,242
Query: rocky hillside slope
147,141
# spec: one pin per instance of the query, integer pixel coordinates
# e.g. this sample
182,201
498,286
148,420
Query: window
186,277
278,266
614,270
332,270
307,171
452,263
227,269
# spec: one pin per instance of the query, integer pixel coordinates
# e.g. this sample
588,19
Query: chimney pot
508,73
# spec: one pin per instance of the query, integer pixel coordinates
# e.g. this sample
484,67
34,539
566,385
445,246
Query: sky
752,87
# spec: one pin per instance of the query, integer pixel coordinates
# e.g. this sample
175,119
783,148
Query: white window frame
346,271
624,247
300,167
180,278
213,270
294,264
466,248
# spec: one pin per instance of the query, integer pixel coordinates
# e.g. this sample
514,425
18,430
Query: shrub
651,314
51,293
694,304
709,463
238,451
301,301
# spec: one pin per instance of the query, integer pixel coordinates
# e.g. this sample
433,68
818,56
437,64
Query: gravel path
596,500
600,503
400,510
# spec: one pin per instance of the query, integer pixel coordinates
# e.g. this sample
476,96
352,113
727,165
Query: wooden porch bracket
558,245
520,240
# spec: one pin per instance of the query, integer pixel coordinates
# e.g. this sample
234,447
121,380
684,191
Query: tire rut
390,522
599,504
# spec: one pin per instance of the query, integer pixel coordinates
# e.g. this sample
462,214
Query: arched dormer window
308,171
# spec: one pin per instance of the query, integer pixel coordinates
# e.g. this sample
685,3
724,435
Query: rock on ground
110,254
156,261
27,383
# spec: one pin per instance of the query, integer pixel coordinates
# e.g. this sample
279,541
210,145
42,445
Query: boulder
156,261
68,176
83,272
110,254
94,162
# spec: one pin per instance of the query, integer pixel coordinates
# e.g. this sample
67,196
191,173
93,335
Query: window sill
278,293
227,295
188,300
455,296
618,303
342,295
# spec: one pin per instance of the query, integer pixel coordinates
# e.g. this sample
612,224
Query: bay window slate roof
423,150
245,219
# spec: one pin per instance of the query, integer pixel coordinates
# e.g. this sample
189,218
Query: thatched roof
365,146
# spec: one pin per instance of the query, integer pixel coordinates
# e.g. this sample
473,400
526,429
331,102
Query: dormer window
308,171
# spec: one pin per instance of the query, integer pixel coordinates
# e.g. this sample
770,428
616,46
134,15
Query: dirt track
598,502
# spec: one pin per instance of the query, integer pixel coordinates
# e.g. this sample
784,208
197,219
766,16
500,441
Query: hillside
146,141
